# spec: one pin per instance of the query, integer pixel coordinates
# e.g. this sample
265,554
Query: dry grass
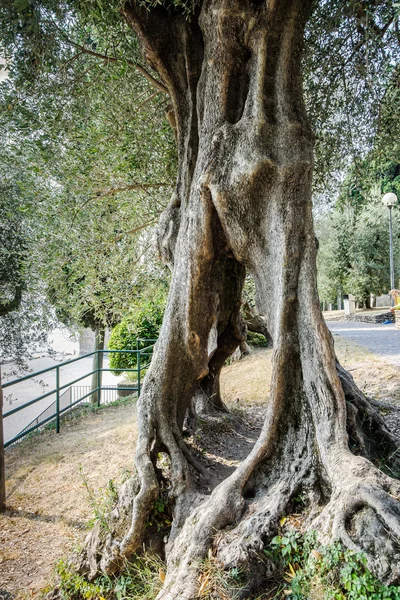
48,504
374,376
248,379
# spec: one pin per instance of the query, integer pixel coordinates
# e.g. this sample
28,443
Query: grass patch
100,505
82,410
142,579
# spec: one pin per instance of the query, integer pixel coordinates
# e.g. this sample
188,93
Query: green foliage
100,505
160,518
353,256
309,571
140,579
354,239
86,166
256,339
350,47
186,7
143,322
326,572
13,247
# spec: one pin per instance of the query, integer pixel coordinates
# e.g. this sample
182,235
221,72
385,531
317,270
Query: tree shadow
33,516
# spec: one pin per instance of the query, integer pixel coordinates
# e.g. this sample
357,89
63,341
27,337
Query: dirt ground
52,479
48,504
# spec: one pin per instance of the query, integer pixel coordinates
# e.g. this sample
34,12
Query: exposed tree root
369,435
363,512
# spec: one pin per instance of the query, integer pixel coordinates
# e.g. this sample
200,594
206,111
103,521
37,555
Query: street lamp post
390,200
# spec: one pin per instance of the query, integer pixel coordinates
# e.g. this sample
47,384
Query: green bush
143,322
256,339
329,572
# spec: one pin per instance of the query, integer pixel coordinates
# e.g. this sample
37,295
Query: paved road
383,340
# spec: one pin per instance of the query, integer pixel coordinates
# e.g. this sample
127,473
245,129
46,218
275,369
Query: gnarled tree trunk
243,201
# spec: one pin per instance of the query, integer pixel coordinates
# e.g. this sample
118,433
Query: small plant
141,579
160,518
256,339
324,572
100,505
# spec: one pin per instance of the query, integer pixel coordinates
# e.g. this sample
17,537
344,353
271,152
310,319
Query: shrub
256,339
142,322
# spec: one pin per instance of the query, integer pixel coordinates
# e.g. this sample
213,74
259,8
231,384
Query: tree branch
152,80
366,19
148,99
132,186
112,191
157,84
121,235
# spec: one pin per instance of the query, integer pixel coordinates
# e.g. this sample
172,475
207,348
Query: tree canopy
89,148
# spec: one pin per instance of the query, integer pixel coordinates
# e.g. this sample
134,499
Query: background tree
25,316
100,160
354,242
353,238
142,322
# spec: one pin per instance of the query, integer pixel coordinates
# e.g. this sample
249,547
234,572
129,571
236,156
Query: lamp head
389,199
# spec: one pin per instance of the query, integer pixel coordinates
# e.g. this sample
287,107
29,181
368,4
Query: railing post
98,378
58,399
138,371
2,463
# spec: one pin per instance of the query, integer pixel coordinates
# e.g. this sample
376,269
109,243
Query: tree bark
256,322
13,304
2,460
98,360
243,201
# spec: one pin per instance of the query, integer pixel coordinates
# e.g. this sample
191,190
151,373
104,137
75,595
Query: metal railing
69,399
68,395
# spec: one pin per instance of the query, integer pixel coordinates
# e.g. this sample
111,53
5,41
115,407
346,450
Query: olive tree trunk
243,201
